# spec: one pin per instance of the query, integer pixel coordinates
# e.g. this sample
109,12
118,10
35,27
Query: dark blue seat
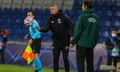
107,13
118,4
116,13
46,12
46,36
105,33
77,4
68,13
114,7
24,12
6,12
42,23
38,12
106,23
99,13
76,13
39,17
101,39
17,12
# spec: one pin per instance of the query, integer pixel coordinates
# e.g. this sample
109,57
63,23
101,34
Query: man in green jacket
86,36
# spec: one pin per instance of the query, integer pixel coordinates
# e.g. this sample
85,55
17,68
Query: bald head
54,9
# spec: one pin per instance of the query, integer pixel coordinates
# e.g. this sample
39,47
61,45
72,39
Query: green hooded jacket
87,29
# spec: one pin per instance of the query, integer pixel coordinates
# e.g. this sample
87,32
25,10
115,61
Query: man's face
113,33
84,7
29,14
54,10
29,19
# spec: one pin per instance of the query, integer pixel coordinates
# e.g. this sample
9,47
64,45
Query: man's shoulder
50,18
94,14
65,16
35,22
81,16
87,15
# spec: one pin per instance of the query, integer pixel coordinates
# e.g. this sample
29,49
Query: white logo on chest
59,21
52,21
93,20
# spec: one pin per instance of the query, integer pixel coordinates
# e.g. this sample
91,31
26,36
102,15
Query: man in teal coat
86,36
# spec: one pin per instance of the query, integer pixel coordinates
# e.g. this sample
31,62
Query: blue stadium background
12,19
12,16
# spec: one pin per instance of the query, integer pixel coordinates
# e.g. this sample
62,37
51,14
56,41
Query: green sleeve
78,30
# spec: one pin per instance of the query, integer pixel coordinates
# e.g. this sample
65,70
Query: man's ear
85,7
33,16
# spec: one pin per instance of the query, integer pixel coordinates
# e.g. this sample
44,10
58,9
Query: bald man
62,32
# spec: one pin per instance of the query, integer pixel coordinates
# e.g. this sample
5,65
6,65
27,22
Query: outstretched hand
72,46
26,36
30,42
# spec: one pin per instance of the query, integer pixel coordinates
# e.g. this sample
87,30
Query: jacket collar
88,11
58,14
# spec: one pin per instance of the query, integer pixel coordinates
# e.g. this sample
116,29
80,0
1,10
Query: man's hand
30,42
26,36
67,48
71,38
114,43
72,46
39,28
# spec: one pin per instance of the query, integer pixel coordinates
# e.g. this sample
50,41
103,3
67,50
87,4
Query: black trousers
84,53
2,56
36,45
112,59
56,54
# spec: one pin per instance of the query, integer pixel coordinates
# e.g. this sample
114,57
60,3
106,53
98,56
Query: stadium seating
37,4
47,3
0,3
68,4
13,12
6,3
58,3
16,4
27,4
